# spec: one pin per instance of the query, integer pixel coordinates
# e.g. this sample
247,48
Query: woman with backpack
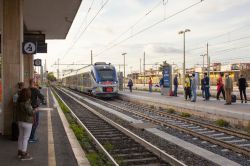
25,119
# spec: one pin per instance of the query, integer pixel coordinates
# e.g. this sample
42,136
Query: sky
152,26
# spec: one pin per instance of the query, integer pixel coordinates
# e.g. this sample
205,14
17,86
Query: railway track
230,139
238,142
121,146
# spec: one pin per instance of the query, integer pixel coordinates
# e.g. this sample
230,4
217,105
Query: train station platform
237,114
56,144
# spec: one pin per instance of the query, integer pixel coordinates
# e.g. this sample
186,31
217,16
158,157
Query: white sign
29,48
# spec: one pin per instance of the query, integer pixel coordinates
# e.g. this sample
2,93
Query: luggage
14,124
233,98
14,131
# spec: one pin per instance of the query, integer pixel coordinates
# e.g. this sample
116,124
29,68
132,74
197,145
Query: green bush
170,111
222,123
184,114
108,146
248,127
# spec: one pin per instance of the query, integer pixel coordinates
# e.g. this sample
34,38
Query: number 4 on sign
29,48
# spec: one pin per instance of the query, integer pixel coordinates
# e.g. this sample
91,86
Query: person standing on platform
206,86
25,118
35,94
130,85
228,89
161,85
187,87
220,87
242,83
14,125
175,85
193,88
150,84
202,88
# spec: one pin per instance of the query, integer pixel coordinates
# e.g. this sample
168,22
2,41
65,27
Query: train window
106,75
93,75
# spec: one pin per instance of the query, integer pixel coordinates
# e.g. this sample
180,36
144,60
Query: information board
166,77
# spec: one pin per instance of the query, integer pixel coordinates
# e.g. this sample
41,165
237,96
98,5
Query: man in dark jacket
175,84
242,83
206,86
35,94
130,85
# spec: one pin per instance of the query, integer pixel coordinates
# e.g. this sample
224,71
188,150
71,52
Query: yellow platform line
51,147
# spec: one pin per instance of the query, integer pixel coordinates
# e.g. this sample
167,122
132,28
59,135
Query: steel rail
97,143
155,150
188,131
209,126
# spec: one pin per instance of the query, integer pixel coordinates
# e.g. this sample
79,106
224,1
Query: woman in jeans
25,118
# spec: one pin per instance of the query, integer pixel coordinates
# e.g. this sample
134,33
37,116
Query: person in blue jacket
161,85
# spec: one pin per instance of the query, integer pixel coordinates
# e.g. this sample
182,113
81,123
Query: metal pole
208,64
41,74
144,74
203,64
184,62
140,65
203,56
91,57
124,71
58,68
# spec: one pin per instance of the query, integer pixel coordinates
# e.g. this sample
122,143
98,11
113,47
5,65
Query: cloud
162,48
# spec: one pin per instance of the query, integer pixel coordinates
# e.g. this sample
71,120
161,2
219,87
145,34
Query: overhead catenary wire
149,27
84,30
136,23
86,17
212,46
218,36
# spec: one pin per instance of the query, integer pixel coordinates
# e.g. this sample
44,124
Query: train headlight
115,89
99,89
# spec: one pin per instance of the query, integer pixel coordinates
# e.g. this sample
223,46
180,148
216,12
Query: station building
22,22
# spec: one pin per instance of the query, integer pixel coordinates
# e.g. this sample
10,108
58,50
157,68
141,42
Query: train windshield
106,75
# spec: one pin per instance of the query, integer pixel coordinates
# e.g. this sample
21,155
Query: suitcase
233,98
14,131
14,127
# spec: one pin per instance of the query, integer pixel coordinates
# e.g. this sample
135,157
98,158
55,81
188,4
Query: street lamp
184,52
203,55
124,70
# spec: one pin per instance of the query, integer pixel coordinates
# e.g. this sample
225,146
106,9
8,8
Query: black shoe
246,101
241,101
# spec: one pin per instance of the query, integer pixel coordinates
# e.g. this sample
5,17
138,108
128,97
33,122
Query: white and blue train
99,79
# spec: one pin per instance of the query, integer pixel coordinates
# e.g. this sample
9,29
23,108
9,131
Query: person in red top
220,87
150,84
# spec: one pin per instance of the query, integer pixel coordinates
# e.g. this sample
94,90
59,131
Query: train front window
106,75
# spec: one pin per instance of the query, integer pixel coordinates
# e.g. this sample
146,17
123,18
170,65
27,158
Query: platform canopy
50,17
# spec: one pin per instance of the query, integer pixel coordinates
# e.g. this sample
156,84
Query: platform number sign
37,62
29,47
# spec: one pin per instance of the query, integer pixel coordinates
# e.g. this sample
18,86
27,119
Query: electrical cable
132,26
149,27
84,30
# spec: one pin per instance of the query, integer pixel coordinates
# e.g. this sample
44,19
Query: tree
51,77
164,64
